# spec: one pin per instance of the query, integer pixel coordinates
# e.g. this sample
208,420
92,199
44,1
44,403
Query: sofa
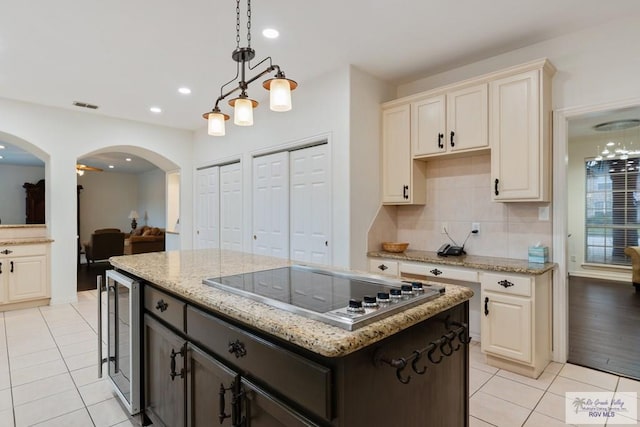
104,243
144,239
634,253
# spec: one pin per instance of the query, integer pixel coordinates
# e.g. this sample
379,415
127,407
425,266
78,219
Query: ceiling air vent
85,105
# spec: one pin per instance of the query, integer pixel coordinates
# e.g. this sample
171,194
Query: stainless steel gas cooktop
341,299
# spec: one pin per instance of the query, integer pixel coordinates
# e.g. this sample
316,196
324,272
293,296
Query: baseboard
604,275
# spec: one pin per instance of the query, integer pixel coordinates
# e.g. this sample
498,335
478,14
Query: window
612,214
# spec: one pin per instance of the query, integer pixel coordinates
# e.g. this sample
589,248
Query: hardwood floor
604,326
87,276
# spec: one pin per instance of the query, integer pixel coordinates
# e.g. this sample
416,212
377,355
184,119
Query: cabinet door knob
162,306
237,349
452,135
486,306
440,137
495,190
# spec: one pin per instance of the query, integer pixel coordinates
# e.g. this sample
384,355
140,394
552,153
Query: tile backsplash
458,194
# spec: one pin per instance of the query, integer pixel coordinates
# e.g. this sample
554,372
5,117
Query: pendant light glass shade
243,112
216,124
280,95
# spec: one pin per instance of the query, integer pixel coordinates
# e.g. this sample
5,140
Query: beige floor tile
108,413
554,367
627,398
496,411
78,348
561,385
88,375
542,382
5,400
33,359
96,392
475,422
42,388
589,376
512,391
625,385
82,360
552,406
79,418
477,378
6,418
28,347
5,380
70,329
477,360
38,372
537,419
75,338
50,407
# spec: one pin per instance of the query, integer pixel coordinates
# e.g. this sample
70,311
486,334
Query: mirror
17,167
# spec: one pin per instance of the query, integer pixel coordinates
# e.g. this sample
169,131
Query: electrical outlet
444,229
475,226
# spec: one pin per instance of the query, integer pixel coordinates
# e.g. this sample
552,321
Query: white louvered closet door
231,206
208,208
271,205
310,205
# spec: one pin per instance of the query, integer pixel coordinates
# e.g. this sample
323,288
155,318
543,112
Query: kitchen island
211,356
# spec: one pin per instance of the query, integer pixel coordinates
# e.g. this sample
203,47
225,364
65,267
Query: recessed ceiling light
128,159
184,90
1,157
111,166
156,110
2,147
270,33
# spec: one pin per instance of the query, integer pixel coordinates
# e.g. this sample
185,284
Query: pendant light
279,86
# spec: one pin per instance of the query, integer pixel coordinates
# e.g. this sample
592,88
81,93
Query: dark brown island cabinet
201,369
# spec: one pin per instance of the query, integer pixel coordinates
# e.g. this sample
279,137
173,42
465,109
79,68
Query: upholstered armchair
104,243
634,253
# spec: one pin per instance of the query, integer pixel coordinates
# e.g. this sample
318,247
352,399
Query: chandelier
617,149
279,86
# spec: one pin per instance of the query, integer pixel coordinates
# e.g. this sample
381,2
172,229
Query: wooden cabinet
24,273
516,321
520,112
453,122
403,179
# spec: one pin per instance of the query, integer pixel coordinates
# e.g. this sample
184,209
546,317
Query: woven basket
394,246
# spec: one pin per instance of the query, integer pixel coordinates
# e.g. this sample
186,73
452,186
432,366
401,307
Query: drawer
22,250
383,266
295,377
436,271
506,283
165,307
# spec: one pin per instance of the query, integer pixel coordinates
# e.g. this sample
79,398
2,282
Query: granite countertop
24,241
469,261
182,272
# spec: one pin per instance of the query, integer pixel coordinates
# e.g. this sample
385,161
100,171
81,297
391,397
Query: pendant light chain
249,23
237,23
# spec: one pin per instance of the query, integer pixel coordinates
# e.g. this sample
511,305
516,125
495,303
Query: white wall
320,111
367,93
12,178
152,188
60,137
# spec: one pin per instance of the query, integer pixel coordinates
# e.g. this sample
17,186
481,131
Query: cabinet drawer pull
405,192
452,135
162,306
11,266
486,306
505,283
173,374
382,267
7,251
440,137
237,348
495,190
0,268
435,272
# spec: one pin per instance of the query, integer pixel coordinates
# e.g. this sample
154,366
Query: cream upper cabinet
453,122
403,180
519,132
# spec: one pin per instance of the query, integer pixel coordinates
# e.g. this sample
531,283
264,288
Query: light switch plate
543,213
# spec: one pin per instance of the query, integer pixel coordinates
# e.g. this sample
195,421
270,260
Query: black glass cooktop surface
323,294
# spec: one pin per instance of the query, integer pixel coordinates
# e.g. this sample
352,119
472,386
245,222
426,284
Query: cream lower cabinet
24,273
383,266
516,321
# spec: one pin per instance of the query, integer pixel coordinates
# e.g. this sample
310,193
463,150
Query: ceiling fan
80,169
